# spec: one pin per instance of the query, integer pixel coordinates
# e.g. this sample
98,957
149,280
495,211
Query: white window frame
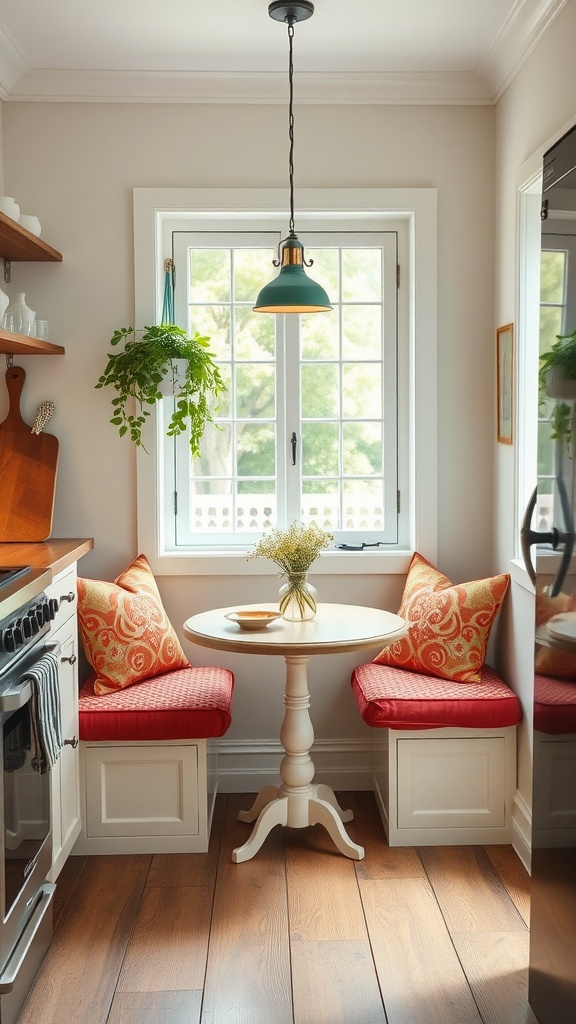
417,367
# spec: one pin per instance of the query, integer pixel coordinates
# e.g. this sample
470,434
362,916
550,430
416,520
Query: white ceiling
231,50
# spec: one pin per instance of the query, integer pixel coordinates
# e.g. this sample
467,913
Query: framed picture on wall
505,381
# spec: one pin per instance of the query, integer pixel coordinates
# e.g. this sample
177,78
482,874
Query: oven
26,834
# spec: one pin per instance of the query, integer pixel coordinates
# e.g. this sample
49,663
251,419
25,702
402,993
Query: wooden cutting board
28,464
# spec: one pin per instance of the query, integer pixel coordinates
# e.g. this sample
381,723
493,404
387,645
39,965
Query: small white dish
32,224
252,620
563,626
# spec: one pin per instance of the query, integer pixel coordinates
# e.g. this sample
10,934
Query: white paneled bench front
148,762
444,755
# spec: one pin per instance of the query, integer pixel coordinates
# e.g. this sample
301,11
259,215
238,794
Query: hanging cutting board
28,464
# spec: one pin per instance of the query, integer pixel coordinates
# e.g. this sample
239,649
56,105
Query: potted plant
557,379
149,357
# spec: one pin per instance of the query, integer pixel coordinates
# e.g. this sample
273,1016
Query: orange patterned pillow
125,631
448,624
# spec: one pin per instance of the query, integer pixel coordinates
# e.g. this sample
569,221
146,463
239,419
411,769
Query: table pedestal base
297,802
313,805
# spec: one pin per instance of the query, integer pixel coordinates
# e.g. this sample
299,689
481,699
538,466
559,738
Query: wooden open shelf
22,345
20,245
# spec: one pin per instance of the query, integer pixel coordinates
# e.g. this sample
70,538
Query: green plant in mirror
149,356
557,366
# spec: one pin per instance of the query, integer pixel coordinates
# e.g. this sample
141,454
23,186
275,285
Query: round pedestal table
297,802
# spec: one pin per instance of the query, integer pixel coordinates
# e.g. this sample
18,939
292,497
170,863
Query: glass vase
18,317
297,598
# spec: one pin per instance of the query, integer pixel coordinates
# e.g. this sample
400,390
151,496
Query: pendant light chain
291,123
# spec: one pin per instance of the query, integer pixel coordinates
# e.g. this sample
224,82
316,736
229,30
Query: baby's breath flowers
293,550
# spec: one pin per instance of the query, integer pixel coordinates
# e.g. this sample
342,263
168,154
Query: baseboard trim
245,766
522,830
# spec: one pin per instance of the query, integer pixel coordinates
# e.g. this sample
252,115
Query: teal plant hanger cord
168,304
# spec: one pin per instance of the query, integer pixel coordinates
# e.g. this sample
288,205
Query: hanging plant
557,379
150,356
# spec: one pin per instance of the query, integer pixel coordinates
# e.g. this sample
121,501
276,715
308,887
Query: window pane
254,334
209,275
325,270
321,503
215,453
319,335
320,449
256,448
361,390
361,332
550,325
361,275
552,269
252,269
255,391
214,323
255,511
545,450
362,449
320,391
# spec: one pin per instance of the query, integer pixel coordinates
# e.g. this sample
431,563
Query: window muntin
335,398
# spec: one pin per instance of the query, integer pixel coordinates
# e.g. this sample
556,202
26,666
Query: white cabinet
65,789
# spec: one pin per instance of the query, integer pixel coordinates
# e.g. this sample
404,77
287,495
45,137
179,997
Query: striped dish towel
45,722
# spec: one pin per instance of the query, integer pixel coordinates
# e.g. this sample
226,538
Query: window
308,427
335,224
557,314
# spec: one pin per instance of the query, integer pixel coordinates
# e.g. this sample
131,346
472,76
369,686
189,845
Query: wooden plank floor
298,935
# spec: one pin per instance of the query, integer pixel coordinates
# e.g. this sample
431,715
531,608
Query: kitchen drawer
63,589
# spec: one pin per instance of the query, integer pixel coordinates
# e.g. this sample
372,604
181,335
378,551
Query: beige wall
75,166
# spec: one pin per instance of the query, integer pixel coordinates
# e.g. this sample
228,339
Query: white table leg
297,803
265,796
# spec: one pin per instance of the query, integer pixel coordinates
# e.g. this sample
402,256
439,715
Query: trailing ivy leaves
147,359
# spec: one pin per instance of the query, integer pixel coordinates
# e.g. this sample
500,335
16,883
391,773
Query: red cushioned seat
189,703
554,705
395,698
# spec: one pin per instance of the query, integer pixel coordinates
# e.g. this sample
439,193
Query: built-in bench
554,808
444,755
148,762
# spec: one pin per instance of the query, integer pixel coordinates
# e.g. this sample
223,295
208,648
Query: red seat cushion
554,705
397,699
189,703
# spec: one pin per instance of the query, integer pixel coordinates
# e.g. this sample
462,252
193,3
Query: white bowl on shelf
9,207
31,223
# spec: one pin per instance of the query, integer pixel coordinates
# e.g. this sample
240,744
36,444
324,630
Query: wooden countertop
55,554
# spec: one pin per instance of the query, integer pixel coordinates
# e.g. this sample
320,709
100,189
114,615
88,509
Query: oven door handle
10,972
12,700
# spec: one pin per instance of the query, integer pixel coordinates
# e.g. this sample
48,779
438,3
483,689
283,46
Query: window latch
293,442
359,547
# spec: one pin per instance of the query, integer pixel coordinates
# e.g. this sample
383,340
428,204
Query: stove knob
45,611
26,627
18,633
31,624
8,640
39,613
53,604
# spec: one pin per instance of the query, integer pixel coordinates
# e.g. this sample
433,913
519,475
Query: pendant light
292,291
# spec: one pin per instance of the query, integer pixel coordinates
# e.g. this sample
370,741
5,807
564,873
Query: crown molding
518,37
521,32
13,64
248,87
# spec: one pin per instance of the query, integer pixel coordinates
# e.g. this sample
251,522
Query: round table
297,802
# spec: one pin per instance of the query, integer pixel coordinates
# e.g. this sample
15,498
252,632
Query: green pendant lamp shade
292,291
